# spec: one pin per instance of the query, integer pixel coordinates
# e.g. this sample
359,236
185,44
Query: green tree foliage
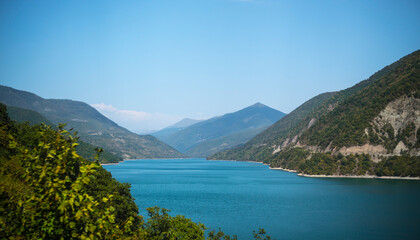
320,164
261,235
87,151
29,117
405,166
161,225
291,159
219,235
47,191
54,202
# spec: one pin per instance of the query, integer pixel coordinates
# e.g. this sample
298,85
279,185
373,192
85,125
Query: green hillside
21,115
370,128
85,149
92,127
245,121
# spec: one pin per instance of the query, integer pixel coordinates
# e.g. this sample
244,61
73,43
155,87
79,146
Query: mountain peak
258,104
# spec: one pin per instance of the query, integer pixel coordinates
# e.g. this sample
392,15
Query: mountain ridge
92,126
178,126
86,150
256,116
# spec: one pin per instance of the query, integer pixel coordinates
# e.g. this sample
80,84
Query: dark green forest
350,165
48,191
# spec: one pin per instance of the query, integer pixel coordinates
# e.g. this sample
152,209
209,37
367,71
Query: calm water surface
241,196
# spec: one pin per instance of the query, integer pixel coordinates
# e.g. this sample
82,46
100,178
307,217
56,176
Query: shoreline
358,176
104,164
283,169
330,176
291,170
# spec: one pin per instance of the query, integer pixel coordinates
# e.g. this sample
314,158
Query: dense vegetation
309,138
92,127
47,191
84,149
350,165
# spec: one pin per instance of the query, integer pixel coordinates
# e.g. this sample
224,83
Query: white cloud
104,107
136,121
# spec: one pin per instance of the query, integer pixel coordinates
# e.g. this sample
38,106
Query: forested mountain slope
370,128
92,127
86,150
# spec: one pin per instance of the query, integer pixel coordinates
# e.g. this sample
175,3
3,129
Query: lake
240,197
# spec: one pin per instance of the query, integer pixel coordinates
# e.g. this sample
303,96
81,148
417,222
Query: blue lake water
240,197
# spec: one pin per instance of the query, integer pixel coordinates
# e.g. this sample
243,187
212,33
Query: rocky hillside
92,127
371,128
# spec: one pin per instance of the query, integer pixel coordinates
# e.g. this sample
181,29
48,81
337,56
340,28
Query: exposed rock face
374,151
399,114
399,148
399,121
311,123
276,149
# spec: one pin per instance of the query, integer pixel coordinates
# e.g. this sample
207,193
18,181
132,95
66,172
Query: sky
146,64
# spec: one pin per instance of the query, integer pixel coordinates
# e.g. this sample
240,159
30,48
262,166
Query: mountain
209,147
166,132
21,115
92,127
186,122
371,128
85,149
258,148
215,134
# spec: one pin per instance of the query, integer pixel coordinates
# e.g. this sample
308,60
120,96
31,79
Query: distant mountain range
166,132
372,128
92,127
210,136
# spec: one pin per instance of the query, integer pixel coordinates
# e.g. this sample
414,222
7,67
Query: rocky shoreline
358,176
284,169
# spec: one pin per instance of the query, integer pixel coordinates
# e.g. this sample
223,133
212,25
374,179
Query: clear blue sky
158,61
